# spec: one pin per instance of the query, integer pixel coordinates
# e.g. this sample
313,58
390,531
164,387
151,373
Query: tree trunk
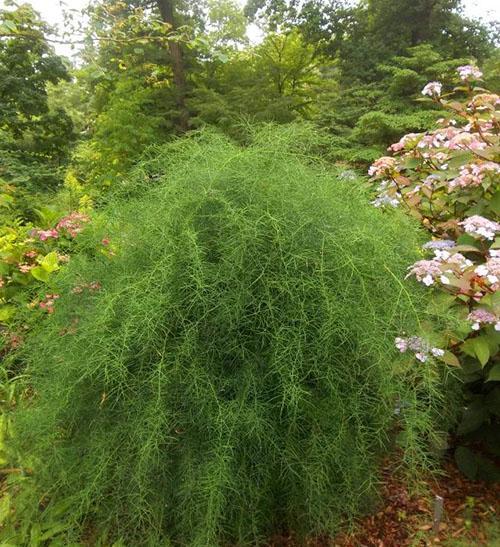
167,15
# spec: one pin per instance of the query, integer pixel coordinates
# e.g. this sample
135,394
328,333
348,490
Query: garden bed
470,516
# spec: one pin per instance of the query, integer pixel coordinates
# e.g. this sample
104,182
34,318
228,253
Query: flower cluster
404,142
422,349
465,140
24,267
426,271
382,166
484,100
93,286
439,244
490,270
443,263
432,89
480,317
448,178
473,174
73,223
43,235
388,194
469,72
479,226
48,303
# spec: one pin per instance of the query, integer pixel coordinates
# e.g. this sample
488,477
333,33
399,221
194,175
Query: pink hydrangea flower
444,262
480,226
48,303
426,271
485,100
43,235
93,286
473,174
382,166
481,317
465,140
73,223
411,138
25,268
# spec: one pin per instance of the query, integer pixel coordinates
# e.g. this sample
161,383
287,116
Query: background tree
35,139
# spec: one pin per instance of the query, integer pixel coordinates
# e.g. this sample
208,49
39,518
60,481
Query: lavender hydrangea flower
422,349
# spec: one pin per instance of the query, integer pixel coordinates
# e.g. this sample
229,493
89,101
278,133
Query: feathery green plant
235,374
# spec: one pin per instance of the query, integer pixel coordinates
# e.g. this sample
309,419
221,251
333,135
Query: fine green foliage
230,369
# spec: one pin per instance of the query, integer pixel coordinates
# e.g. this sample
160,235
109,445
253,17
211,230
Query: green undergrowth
235,375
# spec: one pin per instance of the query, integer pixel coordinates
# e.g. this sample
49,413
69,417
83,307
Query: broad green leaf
477,347
40,273
466,239
467,249
494,375
495,203
474,416
50,262
466,462
450,359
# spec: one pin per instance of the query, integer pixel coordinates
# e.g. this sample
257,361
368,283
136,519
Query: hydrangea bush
28,258
32,251
448,178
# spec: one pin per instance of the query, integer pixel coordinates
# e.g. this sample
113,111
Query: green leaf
450,359
467,249
494,204
466,462
50,262
492,401
41,274
466,239
481,348
9,25
494,375
6,312
486,469
52,531
473,417
4,507
442,301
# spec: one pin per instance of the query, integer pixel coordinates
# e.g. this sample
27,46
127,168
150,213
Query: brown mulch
405,519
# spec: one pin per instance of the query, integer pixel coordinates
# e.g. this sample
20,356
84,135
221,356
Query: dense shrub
231,370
